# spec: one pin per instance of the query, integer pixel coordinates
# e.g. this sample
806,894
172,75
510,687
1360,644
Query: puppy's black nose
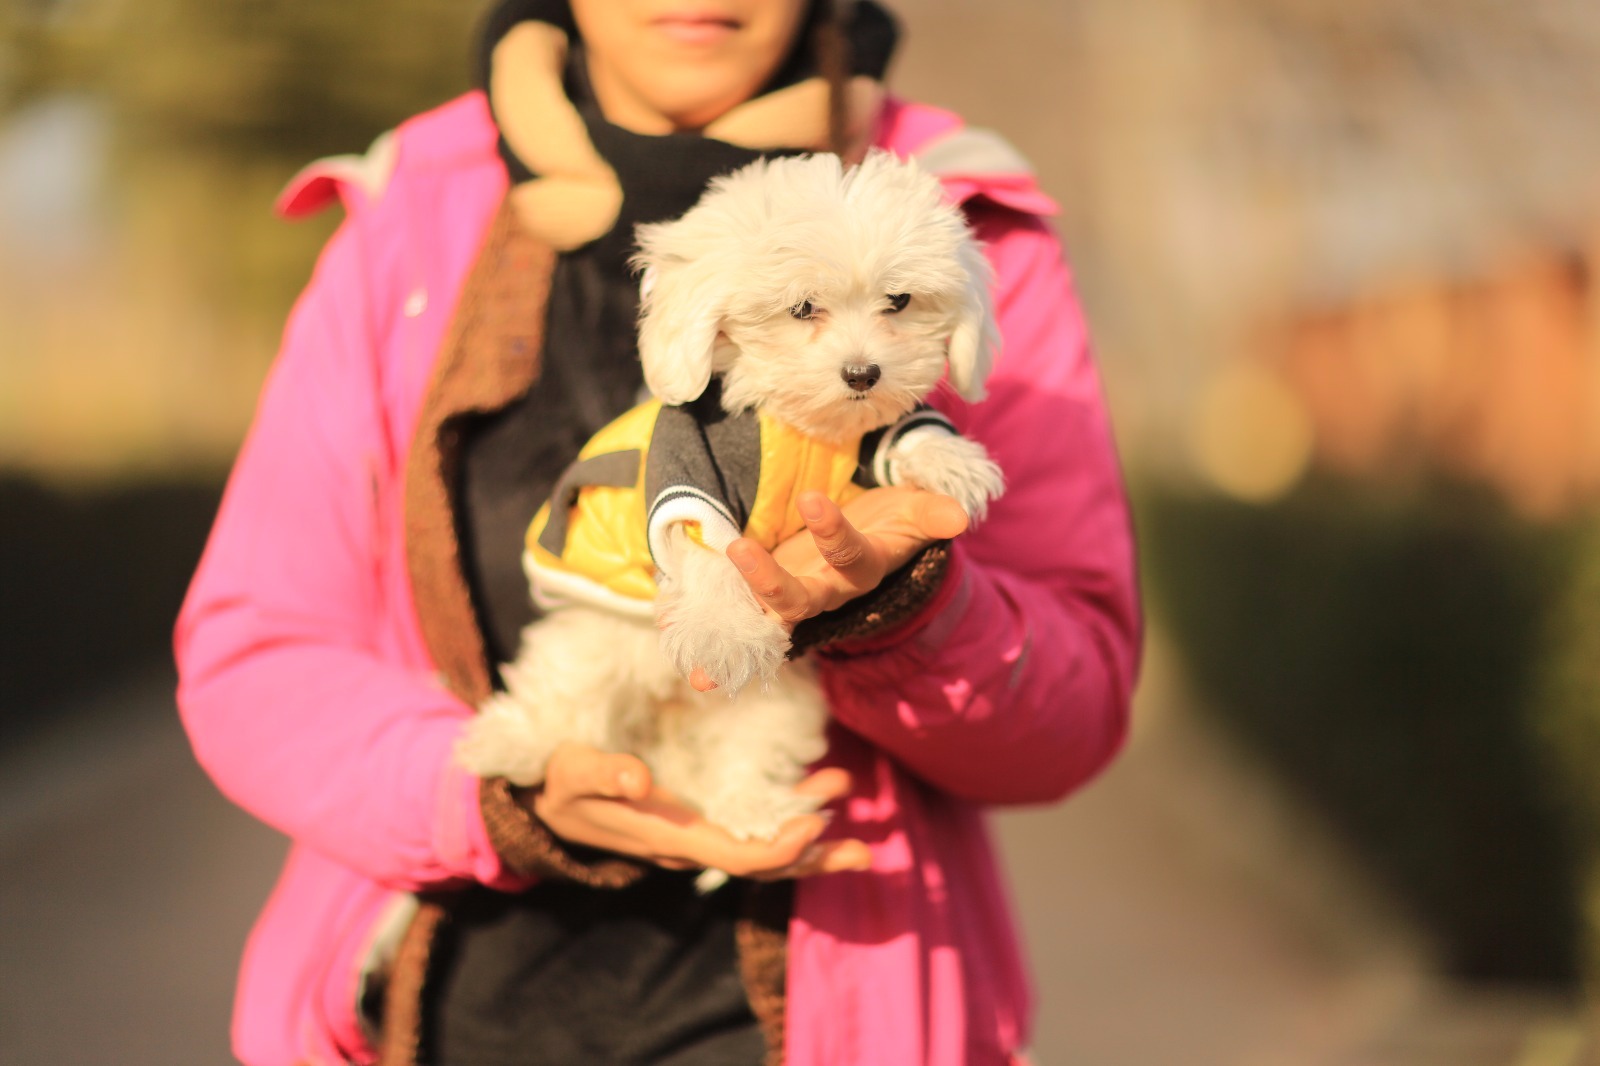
861,378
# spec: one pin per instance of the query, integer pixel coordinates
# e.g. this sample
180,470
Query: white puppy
793,322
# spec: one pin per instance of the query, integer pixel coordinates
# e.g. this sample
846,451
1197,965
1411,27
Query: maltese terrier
792,324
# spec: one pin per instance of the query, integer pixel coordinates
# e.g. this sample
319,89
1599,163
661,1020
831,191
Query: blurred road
129,886
1175,915
1185,911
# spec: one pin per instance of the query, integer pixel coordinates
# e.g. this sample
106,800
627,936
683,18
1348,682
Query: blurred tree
257,76
207,109
214,105
1571,720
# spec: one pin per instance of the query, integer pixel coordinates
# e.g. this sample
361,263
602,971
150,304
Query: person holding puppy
468,328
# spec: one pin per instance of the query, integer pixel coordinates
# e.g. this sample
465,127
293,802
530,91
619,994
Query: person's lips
696,27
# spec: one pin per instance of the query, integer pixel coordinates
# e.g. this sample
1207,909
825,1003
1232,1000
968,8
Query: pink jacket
310,698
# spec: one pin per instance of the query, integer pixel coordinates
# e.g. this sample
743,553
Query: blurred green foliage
1385,654
213,106
1570,719
276,77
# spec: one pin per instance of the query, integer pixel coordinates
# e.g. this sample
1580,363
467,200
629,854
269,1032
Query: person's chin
696,109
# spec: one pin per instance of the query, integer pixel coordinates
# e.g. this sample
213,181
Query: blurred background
1342,260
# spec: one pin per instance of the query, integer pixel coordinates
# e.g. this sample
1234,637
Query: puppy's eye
803,310
897,302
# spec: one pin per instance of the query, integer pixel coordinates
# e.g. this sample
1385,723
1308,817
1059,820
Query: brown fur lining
527,846
490,357
762,936
402,1010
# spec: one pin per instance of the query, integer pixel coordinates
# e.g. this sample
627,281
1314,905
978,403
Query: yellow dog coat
725,475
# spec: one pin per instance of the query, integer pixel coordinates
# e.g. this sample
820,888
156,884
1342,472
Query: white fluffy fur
722,282
581,674
709,618
600,679
938,461
784,232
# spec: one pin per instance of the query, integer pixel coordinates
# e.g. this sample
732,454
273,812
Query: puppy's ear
976,338
682,300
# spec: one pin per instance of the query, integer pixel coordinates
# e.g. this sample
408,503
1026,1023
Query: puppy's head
832,298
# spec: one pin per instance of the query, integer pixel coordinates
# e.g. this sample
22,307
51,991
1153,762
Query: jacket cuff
527,846
883,615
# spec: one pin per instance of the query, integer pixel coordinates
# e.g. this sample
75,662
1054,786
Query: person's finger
658,827
676,864
938,517
607,800
781,591
594,823
830,784
702,845
689,842
842,545
826,857
848,855
745,858
575,770
839,856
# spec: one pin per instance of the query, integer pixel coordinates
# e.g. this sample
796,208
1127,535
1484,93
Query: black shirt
564,973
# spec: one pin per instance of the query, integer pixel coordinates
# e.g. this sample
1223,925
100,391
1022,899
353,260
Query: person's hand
609,801
842,553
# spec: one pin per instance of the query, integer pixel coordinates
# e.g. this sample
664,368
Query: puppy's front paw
952,465
734,644
709,618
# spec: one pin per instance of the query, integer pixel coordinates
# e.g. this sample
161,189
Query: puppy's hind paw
757,810
500,742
